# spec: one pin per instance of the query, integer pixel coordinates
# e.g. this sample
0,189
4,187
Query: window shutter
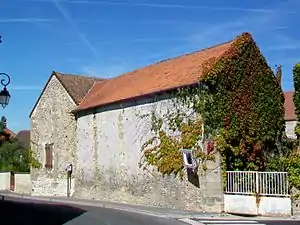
51,156
47,155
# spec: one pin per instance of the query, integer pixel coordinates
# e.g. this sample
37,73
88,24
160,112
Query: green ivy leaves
241,106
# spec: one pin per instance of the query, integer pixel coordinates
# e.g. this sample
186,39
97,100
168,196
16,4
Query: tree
14,157
296,97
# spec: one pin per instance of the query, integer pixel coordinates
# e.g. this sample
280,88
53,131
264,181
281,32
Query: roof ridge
23,130
173,58
191,53
77,75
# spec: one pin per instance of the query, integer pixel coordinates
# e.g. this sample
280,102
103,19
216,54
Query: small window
188,159
49,156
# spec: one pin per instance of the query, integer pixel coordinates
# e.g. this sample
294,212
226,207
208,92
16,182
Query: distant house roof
9,132
77,86
24,138
163,76
289,106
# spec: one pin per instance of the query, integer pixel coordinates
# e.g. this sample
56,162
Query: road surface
16,211
20,211
239,222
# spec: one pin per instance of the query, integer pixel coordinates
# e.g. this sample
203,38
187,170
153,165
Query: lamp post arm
6,80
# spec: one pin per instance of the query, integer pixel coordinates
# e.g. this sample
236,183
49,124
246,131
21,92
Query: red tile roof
166,75
289,106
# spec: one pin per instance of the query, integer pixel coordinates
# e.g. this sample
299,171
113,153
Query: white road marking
221,222
192,222
229,221
237,223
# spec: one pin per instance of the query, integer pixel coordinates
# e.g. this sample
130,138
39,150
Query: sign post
69,169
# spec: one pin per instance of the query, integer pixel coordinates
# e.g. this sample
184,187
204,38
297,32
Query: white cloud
143,40
110,70
282,42
73,25
284,47
27,20
24,88
157,5
176,6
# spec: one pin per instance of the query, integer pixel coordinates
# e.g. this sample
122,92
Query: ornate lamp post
4,94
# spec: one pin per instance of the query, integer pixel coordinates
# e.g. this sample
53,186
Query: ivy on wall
241,107
163,149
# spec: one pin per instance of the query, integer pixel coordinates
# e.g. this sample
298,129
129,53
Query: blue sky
106,38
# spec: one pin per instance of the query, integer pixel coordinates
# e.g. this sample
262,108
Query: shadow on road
31,213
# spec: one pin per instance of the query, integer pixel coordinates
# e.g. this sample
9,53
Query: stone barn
100,125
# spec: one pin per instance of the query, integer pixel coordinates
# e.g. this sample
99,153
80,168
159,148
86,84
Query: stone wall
109,151
52,122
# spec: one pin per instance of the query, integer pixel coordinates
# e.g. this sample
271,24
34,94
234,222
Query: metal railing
257,183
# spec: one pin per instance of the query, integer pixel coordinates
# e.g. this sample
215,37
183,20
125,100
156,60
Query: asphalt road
246,222
20,211
16,211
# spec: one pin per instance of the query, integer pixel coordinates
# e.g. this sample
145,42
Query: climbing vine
163,149
241,108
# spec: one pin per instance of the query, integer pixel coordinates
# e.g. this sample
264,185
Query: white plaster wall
266,206
5,181
289,129
85,148
109,152
23,183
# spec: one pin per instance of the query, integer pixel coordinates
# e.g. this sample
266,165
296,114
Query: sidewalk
148,210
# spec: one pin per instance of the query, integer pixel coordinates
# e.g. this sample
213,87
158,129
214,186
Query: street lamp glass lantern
4,97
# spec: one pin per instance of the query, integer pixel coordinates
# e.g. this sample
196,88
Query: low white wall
267,206
270,206
23,183
4,180
240,204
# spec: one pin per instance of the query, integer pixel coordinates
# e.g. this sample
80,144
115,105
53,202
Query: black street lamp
4,94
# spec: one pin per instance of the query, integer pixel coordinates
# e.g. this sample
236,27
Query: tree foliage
296,97
14,157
